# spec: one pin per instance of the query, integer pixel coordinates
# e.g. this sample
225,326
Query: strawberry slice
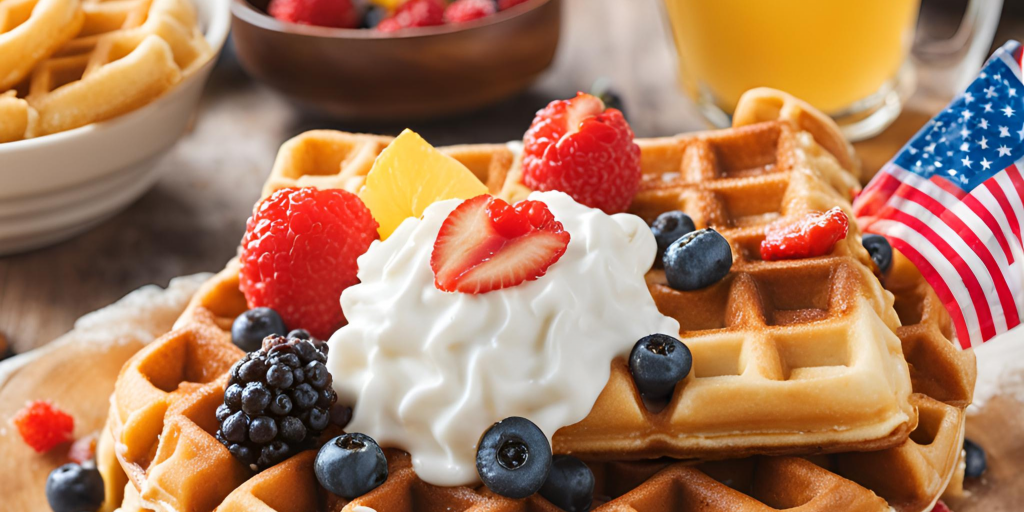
486,244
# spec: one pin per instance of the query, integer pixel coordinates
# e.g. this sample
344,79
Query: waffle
30,31
780,171
127,53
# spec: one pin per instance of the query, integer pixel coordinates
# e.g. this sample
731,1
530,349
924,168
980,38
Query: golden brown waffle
30,31
782,172
805,350
127,53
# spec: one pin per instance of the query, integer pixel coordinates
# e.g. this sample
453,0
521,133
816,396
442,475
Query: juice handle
946,66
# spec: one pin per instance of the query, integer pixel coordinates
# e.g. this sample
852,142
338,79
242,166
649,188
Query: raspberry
299,253
584,150
43,426
940,507
505,4
84,449
414,13
462,11
323,13
814,235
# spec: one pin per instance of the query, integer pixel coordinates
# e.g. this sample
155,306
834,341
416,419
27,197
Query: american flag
952,201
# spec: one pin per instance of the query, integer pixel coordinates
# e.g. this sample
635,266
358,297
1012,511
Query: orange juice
830,53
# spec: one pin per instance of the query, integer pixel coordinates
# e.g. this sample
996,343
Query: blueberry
75,488
658,362
255,398
570,484
880,250
669,227
351,465
252,326
513,458
976,460
697,260
262,430
374,15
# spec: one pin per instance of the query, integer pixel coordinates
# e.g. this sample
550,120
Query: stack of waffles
816,385
69,63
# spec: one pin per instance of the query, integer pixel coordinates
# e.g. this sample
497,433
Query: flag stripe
1004,206
975,292
956,230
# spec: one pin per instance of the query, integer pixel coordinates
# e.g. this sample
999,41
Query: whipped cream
429,371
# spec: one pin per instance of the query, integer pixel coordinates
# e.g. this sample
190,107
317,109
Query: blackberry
277,402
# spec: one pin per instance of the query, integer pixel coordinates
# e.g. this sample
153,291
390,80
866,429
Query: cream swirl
429,371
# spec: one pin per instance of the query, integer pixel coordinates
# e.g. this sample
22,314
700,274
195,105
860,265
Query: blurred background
192,219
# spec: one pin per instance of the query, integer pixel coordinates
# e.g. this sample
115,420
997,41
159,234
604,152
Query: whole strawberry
414,13
580,148
323,13
461,11
299,253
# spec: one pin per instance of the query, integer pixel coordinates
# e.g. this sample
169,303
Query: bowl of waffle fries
92,94
416,73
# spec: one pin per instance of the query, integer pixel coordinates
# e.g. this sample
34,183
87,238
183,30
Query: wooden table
194,217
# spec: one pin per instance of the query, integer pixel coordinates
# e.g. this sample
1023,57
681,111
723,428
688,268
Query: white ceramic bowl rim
216,35
245,10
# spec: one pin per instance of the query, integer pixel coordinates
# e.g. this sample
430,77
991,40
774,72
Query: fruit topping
43,426
505,4
602,88
410,175
299,253
486,244
75,488
249,329
570,484
880,250
351,465
814,235
461,11
374,15
277,401
669,227
697,260
324,13
414,13
513,458
975,459
83,450
940,507
580,148
658,362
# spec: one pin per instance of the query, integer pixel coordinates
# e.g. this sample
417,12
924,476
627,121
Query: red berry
461,11
299,253
414,13
814,235
505,4
584,150
486,244
940,507
323,13
84,449
43,426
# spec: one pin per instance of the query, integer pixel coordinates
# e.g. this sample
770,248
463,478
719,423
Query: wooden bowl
418,73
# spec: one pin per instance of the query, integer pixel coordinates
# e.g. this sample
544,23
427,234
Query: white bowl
56,186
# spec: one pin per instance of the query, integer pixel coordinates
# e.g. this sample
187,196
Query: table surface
192,220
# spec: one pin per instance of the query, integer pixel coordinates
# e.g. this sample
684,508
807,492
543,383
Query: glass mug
849,58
